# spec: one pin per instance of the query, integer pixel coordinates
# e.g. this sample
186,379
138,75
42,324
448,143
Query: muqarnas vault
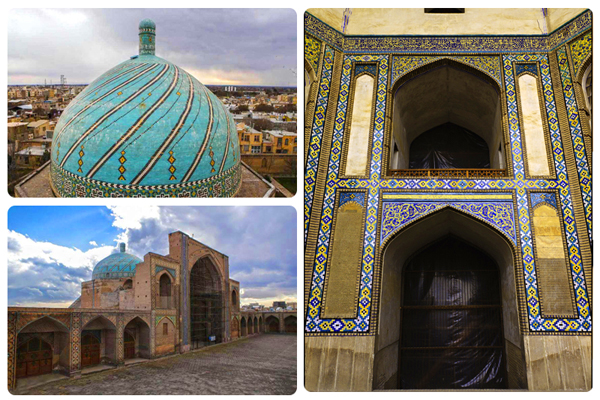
448,199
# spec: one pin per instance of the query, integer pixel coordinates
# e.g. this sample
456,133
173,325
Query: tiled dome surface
145,128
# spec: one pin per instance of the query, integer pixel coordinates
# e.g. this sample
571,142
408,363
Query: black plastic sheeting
452,320
449,146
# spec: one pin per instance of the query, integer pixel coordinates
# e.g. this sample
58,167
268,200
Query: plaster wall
165,344
535,142
559,16
557,363
414,21
339,363
360,126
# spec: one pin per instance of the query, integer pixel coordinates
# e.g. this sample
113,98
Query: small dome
147,24
117,265
146,128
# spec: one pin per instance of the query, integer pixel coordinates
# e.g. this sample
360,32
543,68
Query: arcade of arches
136,309
448,199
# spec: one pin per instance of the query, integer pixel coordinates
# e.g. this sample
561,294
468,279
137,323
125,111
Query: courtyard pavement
262,364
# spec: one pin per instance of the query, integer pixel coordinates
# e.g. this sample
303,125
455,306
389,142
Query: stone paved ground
263,364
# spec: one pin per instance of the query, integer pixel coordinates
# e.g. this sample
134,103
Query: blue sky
51,250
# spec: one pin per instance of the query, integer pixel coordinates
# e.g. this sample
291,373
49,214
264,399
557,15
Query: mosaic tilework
312,51
447,44
120,341
580,51
369,68
519,185
539,197
11,349
583,169
172,318
117,265
314,151
531,68
75,342
398,214
401,65
67,184
169,270
357,197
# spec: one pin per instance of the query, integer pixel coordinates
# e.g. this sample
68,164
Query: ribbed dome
145,128
117,265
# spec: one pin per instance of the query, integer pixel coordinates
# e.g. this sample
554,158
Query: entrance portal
206,304
451,322
129,345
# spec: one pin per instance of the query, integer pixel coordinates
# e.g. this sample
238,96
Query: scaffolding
206,301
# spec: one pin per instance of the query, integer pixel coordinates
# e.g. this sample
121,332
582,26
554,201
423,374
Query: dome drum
116,266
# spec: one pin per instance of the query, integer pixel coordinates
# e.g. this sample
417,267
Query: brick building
137,309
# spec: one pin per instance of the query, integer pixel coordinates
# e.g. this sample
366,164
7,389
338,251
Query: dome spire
122,247
147,37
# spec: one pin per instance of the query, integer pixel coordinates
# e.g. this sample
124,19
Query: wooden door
90,350
129,345
34,357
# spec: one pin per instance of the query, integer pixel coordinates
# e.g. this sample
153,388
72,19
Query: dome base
67,184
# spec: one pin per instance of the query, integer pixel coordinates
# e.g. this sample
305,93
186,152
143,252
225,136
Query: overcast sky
217,46
51,250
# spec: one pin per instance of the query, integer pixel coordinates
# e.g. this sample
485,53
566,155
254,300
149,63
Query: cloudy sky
51,250
217,46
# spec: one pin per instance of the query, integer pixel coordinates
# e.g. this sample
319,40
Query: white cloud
130,217
93,243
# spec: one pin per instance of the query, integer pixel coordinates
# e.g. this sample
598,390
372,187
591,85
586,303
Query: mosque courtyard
261,364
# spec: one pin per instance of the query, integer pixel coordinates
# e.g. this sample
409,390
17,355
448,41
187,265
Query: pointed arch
46,319
440,92
416,235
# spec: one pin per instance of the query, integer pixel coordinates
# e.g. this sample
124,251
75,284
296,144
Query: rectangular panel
360,127
343,269
535,141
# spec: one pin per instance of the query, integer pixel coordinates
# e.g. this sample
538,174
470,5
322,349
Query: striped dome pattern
146,128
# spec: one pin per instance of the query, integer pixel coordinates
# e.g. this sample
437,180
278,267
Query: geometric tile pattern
116,265
368,68
490,65
316,135
519,186
169,270
583,170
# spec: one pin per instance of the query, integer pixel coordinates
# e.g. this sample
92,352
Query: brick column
75,344
12,349
120,343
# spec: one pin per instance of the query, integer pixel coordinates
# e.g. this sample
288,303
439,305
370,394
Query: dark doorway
206,304
129,345
272,324
90,350
451,319
34,357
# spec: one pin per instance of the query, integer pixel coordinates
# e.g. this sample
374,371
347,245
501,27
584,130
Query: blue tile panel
146,128
510,218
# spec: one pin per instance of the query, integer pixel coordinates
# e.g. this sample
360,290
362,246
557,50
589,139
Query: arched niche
243,327
139,331
98,342
441,93
407,242
165,291
272,324
206,303
42,347
290,324
234,301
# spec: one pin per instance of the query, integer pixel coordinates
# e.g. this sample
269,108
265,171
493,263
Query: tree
263,125
241,108
264,108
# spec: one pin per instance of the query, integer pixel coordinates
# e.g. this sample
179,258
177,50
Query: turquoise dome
145,128
117,265
147,24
